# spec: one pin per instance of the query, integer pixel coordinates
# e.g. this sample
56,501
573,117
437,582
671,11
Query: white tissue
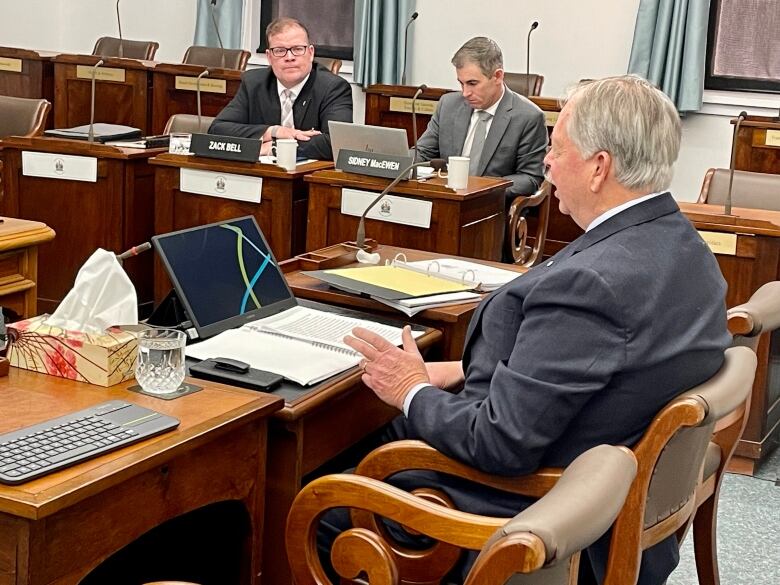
101,297
365,258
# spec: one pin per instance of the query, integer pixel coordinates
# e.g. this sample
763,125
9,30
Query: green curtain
379,40
670,48
228,14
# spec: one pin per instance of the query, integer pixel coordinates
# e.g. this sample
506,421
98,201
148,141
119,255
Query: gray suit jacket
256,106
514,147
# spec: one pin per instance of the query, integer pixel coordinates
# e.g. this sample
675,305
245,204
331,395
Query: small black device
236,373
60,442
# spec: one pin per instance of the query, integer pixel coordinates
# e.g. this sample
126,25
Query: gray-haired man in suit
502,132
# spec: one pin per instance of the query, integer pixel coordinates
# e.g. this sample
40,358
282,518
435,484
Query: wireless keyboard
67,440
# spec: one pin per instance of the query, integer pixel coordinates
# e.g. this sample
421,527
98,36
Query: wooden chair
753,190
332,65
22,116
188,123
515,241
747,322
109,47
522,82
216,57
576,510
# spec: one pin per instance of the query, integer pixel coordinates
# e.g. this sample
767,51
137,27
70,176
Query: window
331,23
743,45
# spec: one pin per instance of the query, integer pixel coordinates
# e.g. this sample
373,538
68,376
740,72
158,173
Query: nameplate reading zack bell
225,147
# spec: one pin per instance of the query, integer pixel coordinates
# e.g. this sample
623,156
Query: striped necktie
287,109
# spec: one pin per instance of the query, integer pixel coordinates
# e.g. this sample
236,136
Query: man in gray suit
582,349
502,132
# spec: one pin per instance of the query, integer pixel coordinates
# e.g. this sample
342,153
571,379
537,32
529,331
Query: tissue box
104,359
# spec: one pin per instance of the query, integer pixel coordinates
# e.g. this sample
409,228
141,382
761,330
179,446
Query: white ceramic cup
286,153
458,172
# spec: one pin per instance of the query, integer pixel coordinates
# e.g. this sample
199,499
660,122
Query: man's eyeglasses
297,51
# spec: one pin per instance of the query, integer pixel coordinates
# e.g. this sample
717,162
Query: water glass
159,368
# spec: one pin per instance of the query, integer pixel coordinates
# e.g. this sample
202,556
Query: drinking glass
159,368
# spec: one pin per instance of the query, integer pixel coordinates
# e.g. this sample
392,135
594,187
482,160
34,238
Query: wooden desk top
769,122
78,147
742,219
18,53
240,168
90,60
19,233
433,188
194,70
28,398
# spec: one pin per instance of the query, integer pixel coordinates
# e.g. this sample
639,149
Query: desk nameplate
224,185
550,118
206,85
720,243
101,74
400,104
772,138
59,166
9,64
391,208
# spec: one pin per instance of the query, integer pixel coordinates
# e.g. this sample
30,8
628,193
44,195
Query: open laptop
366,138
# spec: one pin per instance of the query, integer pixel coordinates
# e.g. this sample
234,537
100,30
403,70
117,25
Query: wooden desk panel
125,102
281,214
752,151
468,222
114,213
58,528
36,78
380,113
308,432
168,100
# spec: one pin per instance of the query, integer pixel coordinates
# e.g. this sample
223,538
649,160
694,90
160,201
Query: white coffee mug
286,153
458,172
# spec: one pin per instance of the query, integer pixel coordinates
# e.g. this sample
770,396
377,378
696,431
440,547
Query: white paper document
411,307
488,277
302,344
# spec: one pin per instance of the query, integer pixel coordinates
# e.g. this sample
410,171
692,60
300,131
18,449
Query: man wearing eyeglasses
294,98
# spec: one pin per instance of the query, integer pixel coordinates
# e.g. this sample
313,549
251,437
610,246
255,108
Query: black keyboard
60,442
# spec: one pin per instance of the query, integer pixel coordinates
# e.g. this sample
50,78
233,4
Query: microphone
360,237
219,38
417,93
197,95
742,116
534,24
119,25
91,135
412,18
134,251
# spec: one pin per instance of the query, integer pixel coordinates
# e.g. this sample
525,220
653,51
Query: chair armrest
399,456
760,313
517,226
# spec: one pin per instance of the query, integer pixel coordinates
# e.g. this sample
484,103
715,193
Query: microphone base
333,256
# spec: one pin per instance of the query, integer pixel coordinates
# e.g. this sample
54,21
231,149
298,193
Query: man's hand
299,135
388,370
446,375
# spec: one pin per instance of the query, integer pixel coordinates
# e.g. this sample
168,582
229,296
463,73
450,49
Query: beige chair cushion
22,116
711,460
188,123
109,47
754,190
213,57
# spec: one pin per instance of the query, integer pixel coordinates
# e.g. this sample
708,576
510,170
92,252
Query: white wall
575,39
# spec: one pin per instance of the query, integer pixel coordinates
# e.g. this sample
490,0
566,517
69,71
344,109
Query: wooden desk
27,74
758,145
281,214
467,222
122,91
174,91
314,426
115,212
19,241
58,528
452,321
756,262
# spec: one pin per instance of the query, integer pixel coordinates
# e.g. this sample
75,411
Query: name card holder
391,208
720,243
225,147
224,185
9,64
206,85
59,166
101,73
772,138
404,105
371,163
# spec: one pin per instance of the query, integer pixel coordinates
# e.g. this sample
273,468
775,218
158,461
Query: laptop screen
365,138
224,274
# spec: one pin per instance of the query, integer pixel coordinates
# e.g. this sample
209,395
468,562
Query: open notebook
238,301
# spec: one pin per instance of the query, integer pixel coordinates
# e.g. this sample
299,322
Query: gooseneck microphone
216,29
412,18
197,95
417,93
134,251
742,115
91,134
360,237
119,26
534,25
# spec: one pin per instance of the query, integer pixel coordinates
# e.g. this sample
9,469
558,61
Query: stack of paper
489,277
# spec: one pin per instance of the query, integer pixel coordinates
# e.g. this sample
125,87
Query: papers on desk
101,132
302,344
267,159
411,307
489,277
